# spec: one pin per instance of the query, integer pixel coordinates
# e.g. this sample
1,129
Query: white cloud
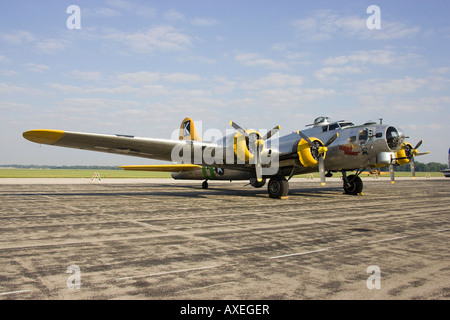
34,67
180,77
100,12
141,77
18,37
130,7
51,45
424,106
12,89
9,73
273,80
3,59
87,75
14,106
256,60
94,104
390,87
164,38
222,85
333,73
325,25
382,57
173,15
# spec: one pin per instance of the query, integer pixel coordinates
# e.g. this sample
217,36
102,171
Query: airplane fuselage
365,146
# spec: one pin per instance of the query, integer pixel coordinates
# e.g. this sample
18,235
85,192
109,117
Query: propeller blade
413,167
418,145
272,132
258,167
422,153
305,137
391,173
238,129
391,170
331,140
322,170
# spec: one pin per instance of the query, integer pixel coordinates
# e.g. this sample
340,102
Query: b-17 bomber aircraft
325,146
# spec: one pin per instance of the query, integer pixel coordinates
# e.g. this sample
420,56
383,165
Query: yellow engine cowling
241,148
305,153
401,156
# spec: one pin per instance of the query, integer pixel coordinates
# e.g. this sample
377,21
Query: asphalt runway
162,239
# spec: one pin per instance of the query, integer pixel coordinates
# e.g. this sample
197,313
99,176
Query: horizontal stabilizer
162,167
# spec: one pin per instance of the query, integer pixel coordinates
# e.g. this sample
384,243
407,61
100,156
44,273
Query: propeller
255,145
410,154
318,152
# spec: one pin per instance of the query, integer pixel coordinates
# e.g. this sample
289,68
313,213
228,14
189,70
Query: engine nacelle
308,155
403,156
245,148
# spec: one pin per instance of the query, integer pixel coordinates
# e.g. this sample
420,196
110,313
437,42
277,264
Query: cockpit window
346,124
333,126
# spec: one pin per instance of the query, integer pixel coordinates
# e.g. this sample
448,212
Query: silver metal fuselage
348,151
364,146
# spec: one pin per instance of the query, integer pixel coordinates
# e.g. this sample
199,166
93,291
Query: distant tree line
423,167
32,166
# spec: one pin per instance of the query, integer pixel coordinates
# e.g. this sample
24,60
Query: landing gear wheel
205,184
354,185
278,187
257,184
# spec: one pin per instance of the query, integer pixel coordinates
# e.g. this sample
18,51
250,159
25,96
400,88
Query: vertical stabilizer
187,130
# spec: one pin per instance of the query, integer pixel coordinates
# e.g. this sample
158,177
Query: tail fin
449,158
187,130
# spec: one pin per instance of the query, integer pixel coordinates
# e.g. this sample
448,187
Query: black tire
257,184
278,187
354,186
205,185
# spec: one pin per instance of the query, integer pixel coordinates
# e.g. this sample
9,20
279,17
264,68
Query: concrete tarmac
165,239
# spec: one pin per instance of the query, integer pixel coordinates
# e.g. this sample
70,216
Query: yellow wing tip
44,136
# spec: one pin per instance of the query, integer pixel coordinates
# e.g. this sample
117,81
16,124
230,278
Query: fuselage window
363,135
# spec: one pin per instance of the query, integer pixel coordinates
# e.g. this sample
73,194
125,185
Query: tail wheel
257,184
278,187
354,185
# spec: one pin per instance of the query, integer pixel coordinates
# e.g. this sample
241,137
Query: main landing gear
352,184
278,187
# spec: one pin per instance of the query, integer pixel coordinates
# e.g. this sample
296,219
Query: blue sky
140,67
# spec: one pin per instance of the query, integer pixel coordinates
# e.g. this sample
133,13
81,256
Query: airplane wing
162,167
159,149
